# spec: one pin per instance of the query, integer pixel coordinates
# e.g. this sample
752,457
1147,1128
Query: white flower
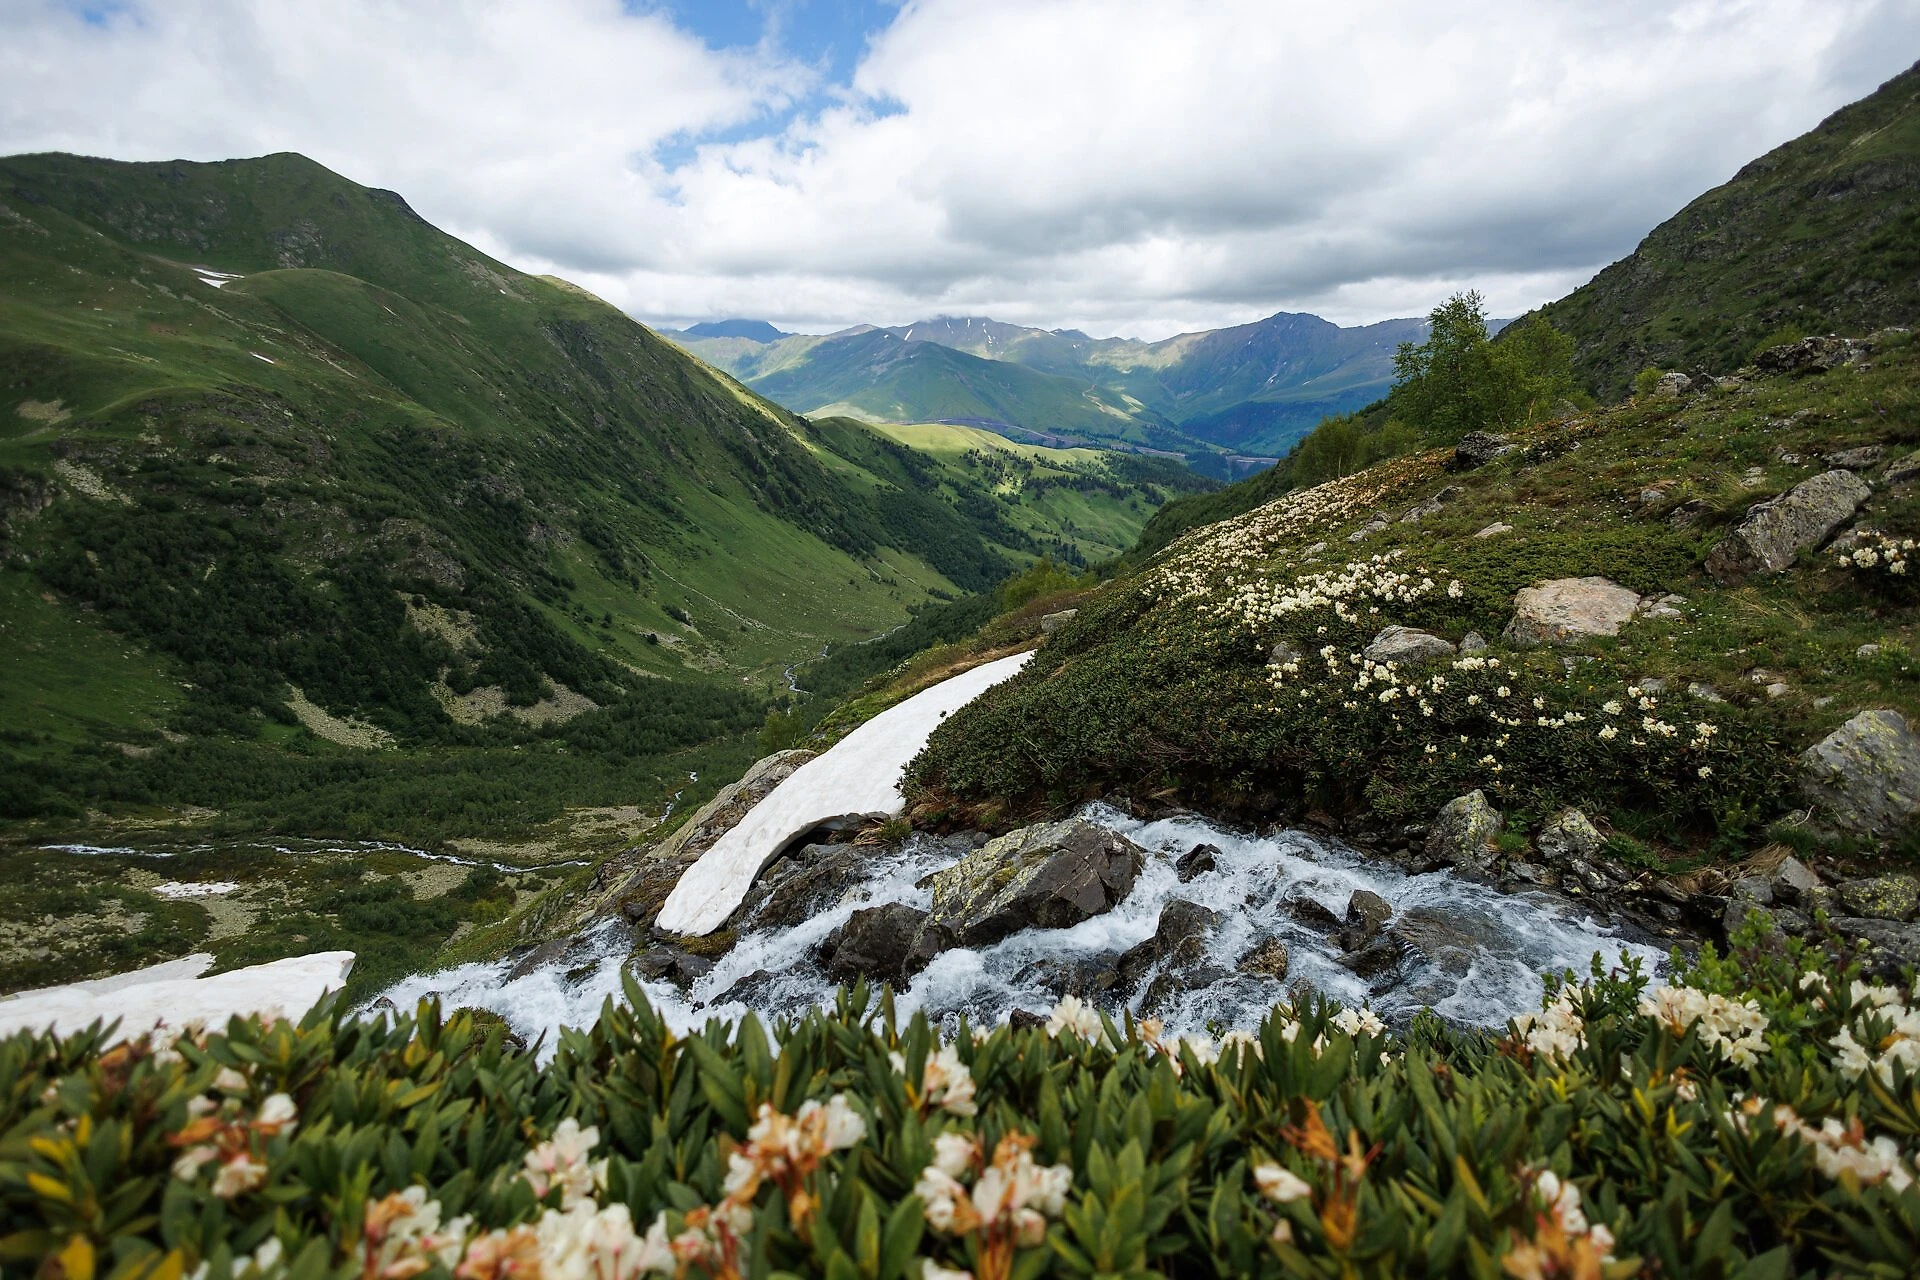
561,1161
1555,1032
1280,1185
1082,1020
955,1153
1357,1022
237,1176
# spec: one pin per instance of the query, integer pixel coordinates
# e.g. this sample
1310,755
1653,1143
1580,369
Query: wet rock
877,943
754,990
1889,897
1773,533
1862,458
1477,449
1083,977
1569,610
1463,834
1196,861
1442,940
1021,1020
665,963
1269,959
1380,958
1314,914
1052,622
1407,646
1049,876
1567,835
802,883
1865,776
1179,941
1368,912
547,954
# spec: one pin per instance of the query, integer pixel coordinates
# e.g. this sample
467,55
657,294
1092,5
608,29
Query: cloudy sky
1124,166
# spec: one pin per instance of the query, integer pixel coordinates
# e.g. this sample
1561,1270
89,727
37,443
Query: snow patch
177,889
172,995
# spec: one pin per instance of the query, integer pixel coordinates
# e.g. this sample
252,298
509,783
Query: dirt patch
348,732
50,412
89,482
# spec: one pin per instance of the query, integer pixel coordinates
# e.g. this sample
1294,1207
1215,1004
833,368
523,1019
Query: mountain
1821,234
1249,390
751,330
281,463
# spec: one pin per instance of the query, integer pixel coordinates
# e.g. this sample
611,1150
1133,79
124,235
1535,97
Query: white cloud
1112,164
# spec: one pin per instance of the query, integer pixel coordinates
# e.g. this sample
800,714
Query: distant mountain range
1246,392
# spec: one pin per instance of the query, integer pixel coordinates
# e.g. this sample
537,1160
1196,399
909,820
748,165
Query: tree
1461,380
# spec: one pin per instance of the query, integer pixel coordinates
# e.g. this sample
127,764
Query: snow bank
860,774
173,993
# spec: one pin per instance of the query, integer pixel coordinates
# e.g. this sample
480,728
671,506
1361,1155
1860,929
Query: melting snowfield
175,994
1502,944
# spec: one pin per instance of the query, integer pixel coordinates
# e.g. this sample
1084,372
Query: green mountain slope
289,464
1819,235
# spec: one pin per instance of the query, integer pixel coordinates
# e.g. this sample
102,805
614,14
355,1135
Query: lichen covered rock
1774,533
1864,777
1569,610
1049,876
1463,833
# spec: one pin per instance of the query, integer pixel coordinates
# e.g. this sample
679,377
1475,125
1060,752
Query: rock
1477,449
1463,833
1473,642
1794,881
1774,533
1756,889
1021,1020
1688,512
1889,897
1440,939
1569,834
1064,976
548,953
1281,654
1052,622
1179,941
1408,646
1865,775
1673,384
1494,530
1368,912
1431,506
1863,458
1895,946
1867,651
878,944
1811,355
1778,689
1704,692
1380,957
1901,470
1367,530
1664,606
1312,913
800,884
1049,876
669,964
1568,610
1269,959
1196,861
1740,910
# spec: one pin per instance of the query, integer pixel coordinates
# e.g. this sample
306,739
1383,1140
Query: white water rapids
1510,940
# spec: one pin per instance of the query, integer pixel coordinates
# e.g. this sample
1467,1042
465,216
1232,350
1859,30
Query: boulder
1023,1020
1895,946
1268,959
1431,506
1494,530
1084,977
1673,384
1771,536
1568,610
1196,861
1860,458
1473,642
1901,470
1049,876
1688,512
1368,912
800,884
1811,355
1865,776
1408,645
878,944
1889,897
1312,913
1463,833
1052,622
1794,880
1570,836
1441,940
1477,449
1179,941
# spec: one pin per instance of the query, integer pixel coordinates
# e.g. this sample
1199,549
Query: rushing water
1503,943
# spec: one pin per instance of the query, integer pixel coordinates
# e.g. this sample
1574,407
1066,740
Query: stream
1484,953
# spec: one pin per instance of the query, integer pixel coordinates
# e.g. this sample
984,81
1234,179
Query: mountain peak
751,330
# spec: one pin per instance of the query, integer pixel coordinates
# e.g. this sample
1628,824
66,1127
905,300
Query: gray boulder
1890,897
800,883
1569,610
1773,533
1477,449
1432,506
1473,642
1901,470
1179,940
1569,836
1865,776
1463,834
1269,959
1408,646
1052,622
1049,876
1673,384
1196,861
1895,945
1794,880
1811,355
878,943
1860,458
1445,941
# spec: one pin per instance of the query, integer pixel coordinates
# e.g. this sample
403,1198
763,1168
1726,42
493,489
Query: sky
1130,167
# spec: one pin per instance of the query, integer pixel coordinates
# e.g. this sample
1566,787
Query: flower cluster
1889,1033
1075,1017
1563,1242
1009,1205
945,1082
784,1149
222,1134
1258,602
561,1162
1733,1027
1556,1032
1877,553
1838,1149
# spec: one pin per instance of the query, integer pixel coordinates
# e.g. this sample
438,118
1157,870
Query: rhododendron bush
1752,1116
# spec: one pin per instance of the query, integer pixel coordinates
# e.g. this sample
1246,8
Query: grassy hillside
1820,235
318,519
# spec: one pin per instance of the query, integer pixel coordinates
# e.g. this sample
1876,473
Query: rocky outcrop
1049,876
878,944
1569,610
1463,833
1890,897
800,884
1196,861
1052,622
1567,835
1773,533
1864,777
1477,449
1408,646
1811,355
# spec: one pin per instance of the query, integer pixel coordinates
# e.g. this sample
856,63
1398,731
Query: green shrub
1753,1122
